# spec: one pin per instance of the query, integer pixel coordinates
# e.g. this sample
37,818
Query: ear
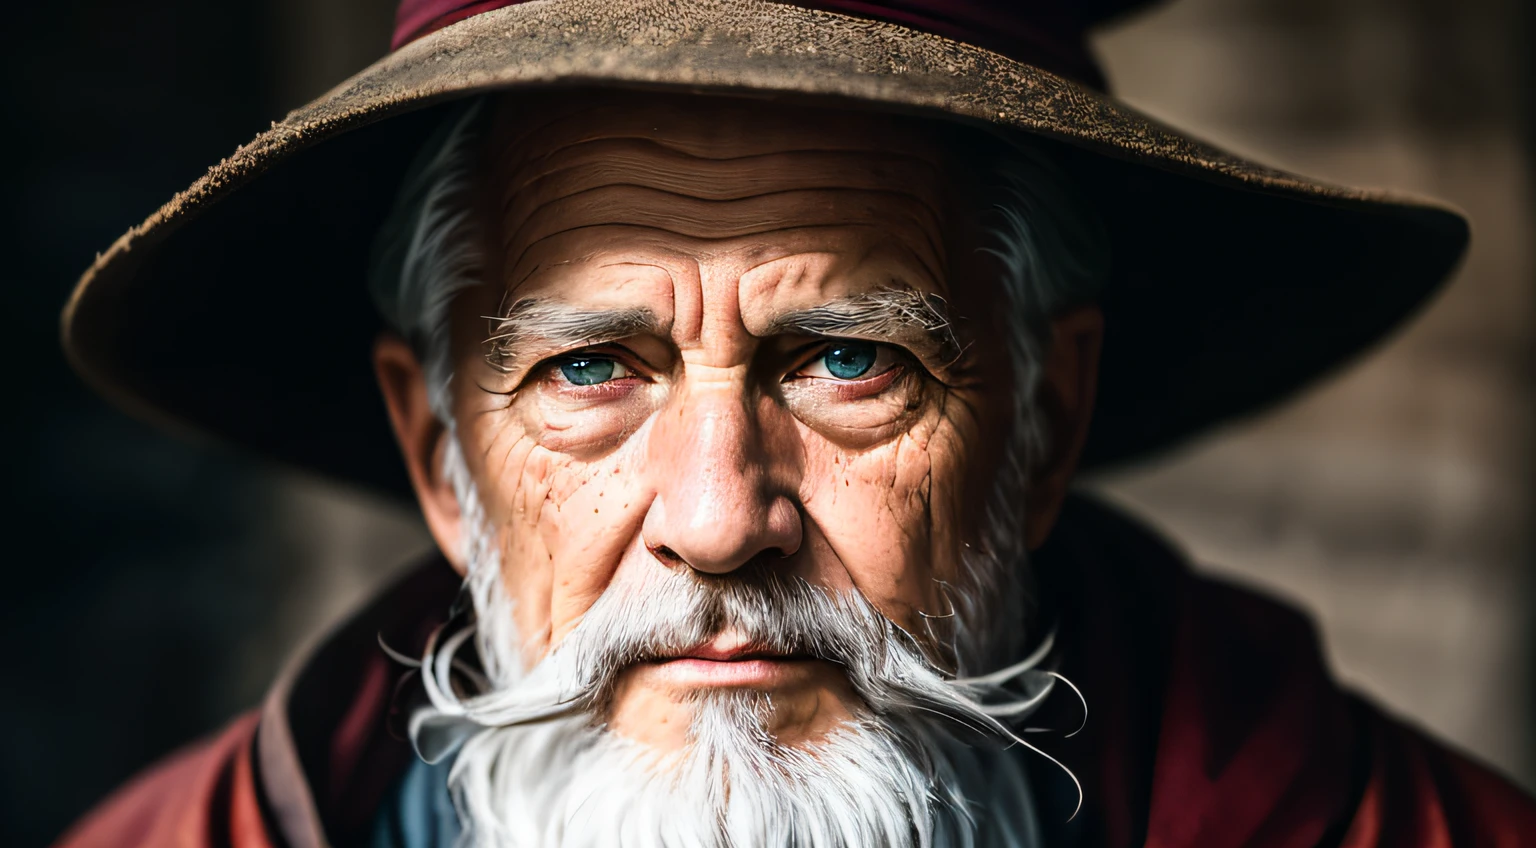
1064,397
422,440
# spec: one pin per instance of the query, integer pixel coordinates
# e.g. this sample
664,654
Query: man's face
718,342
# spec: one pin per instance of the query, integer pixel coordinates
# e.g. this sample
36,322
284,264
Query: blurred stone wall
1394,500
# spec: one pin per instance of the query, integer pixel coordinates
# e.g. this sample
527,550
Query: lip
760,673
727,662
728,652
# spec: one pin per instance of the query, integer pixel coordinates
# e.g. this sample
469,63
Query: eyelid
807,352
621,355
896,354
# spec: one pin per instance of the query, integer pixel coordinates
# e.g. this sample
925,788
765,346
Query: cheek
563,525
890,516
586,423
861,415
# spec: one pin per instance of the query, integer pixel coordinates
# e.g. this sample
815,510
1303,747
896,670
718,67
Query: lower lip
757,673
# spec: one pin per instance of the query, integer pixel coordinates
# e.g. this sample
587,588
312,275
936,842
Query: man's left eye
850,360
591,371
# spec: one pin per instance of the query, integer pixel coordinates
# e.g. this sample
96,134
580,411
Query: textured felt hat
240,309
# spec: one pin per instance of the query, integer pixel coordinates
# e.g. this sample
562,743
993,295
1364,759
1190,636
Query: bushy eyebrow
916,320
534,325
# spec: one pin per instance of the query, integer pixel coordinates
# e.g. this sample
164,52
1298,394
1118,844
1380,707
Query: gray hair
1054,255
429,250
1051,249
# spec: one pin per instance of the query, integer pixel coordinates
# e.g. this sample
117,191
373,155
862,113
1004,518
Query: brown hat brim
239,308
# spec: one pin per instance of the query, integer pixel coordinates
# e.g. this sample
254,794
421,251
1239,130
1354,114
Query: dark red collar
1212,719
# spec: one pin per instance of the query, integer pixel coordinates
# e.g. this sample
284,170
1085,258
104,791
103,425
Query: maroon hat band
1047,36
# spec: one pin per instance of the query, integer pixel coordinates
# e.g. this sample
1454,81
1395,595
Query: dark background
144,573
155,586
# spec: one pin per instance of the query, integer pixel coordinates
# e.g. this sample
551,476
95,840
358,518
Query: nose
716,504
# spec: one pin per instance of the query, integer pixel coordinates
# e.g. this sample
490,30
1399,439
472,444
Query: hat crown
1048,35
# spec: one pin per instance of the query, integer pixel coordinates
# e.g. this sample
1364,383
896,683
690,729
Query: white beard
535,767
567,783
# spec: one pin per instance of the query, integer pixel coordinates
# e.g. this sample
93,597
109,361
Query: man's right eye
592,370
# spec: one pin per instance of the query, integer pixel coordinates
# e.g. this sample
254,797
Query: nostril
665,554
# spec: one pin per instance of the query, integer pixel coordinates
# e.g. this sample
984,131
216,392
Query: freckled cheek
869,509
949,510
515,480
565,527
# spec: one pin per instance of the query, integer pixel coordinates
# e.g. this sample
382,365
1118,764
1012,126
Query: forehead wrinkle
514,285
716,220
905,219
524,151
723,179
935,250
684,144
647,244
727,218
585,257
701,246
869,249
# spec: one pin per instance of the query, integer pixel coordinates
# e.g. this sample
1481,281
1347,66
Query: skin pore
650,383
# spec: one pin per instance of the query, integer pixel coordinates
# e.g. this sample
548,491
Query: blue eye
850,360
590,372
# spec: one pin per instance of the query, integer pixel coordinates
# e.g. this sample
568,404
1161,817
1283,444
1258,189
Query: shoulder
1256,743
1421,793
1409,789
203,795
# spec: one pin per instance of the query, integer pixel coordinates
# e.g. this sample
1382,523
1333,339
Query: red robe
1214,724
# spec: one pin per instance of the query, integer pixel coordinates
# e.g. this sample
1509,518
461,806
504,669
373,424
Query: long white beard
924,762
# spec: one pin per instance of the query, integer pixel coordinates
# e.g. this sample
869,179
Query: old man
740,356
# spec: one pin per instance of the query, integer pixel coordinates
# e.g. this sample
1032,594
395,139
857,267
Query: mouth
730,662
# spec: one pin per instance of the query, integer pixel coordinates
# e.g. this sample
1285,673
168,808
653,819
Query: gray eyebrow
920,321
543,324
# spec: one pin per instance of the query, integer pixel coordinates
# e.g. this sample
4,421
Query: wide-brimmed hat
239,309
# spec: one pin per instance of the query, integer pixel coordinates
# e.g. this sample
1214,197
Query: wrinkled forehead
572,171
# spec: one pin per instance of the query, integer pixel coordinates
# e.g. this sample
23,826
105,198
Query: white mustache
660,614
665,613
